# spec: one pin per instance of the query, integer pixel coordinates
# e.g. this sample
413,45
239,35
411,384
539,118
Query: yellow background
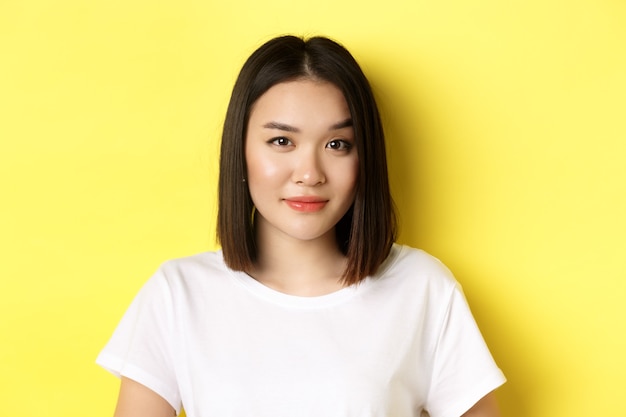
507,138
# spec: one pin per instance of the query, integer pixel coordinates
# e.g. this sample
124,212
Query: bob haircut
367,231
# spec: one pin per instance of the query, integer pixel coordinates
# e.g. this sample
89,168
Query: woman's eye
280,141
339,145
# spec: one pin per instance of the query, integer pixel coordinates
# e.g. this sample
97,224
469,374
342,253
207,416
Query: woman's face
301,159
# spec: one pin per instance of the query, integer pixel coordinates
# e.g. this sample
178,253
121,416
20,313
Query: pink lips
305,203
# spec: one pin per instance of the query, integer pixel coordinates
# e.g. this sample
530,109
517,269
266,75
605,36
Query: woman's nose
308,170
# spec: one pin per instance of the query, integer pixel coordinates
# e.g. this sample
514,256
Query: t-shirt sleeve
463,368
141,346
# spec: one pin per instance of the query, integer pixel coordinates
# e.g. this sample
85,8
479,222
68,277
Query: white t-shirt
221,344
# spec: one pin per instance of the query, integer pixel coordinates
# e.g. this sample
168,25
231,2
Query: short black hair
367,231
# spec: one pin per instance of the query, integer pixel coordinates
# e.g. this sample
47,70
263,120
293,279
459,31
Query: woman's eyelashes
280,141
339,145
342,145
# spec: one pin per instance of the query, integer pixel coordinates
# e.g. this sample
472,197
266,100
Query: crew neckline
334,298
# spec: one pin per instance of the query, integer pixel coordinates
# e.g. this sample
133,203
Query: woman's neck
299,267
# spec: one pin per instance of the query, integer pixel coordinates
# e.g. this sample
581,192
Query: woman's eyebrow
288,128
342,124
281,126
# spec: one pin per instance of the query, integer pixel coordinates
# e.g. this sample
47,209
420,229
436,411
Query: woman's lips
306,204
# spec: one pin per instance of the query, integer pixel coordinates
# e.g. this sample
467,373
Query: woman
309,309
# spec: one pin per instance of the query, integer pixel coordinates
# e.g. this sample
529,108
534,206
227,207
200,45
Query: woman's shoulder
193,270
410,266
202,261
